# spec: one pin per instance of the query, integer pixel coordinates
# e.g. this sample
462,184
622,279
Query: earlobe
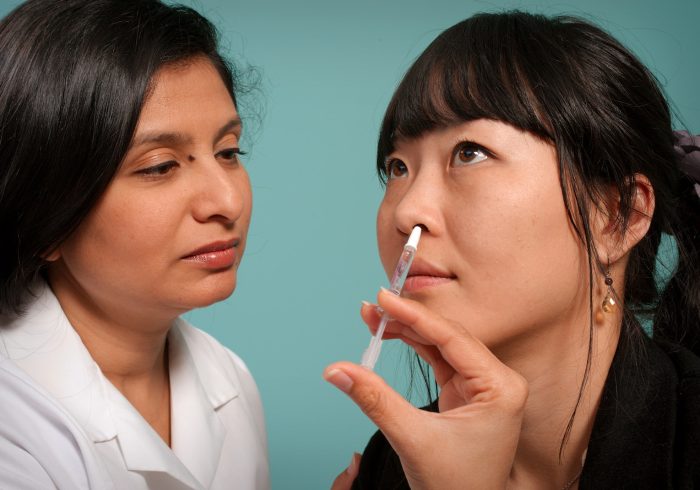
52,256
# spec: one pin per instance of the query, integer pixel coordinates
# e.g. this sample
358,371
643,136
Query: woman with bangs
537,155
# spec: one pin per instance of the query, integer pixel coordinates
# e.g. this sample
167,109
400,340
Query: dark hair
74,75
572,84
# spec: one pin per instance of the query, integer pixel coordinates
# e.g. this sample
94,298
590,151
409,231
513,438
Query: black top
646,433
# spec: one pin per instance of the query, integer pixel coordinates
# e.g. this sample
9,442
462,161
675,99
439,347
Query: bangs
480,68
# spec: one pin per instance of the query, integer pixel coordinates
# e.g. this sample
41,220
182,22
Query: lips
215,255
425,275
213,247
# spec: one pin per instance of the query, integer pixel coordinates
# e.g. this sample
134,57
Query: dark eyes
464,154
469,153
229,155
158,170
395,168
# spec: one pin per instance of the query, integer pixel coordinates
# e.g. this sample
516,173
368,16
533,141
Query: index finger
465,353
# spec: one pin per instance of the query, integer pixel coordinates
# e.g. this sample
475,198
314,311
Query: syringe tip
414,237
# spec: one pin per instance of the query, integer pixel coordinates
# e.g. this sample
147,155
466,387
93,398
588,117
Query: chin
210,292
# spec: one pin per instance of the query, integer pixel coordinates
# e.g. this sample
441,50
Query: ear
52,255
612,240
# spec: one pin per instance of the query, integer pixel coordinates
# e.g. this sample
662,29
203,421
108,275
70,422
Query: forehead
187,95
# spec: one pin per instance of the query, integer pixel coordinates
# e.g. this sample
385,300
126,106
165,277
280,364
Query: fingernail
377,308
339,379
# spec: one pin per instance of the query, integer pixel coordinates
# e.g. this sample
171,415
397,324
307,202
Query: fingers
458,347
344,480
442,370
386,408
372,314
447,346
395,330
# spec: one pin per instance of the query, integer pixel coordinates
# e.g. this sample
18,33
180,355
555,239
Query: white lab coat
40,443
218,436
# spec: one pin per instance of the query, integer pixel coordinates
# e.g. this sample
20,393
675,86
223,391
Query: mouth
424,275
215,255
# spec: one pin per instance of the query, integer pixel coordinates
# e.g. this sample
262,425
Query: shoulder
686,363
686,367
687,395
646,432
40,444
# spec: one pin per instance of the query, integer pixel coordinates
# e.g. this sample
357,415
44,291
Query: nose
221,193
420,205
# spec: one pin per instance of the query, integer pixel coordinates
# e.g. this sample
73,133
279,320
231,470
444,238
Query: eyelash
231,153
158,170
162,169
391,163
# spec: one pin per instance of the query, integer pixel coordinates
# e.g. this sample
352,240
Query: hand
471,443
344,480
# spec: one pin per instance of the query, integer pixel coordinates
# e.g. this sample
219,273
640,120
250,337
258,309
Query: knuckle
371,402
517,392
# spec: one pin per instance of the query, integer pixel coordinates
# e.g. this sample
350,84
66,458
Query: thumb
384,406
345,479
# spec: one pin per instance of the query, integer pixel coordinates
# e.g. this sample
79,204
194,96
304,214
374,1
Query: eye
158,170
469,153
230,154
395,169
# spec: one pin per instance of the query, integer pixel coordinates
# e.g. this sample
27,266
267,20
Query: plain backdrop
326,70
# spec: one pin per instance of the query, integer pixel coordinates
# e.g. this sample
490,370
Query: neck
128,343
555,377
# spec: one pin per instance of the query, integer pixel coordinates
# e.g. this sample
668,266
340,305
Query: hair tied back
687,148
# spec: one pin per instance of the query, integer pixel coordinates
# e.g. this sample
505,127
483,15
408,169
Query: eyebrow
179,139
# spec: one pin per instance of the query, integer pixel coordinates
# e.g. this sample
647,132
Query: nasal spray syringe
369,358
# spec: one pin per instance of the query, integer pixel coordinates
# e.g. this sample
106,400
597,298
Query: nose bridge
218,195
420,204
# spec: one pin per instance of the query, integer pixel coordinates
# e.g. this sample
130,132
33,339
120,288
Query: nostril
423,227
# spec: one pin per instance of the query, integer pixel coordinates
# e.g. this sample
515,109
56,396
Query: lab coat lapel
141,447
196,430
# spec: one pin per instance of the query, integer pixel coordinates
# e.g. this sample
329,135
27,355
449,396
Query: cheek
246,192
242,223
544,249
124,229
386,236
522,251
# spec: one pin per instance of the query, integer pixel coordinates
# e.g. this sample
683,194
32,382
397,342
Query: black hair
572,84
74,75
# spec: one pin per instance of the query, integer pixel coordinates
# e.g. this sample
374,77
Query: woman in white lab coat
123,204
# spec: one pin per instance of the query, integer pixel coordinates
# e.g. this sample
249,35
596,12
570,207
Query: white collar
44,344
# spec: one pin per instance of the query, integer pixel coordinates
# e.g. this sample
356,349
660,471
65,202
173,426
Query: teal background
326,72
